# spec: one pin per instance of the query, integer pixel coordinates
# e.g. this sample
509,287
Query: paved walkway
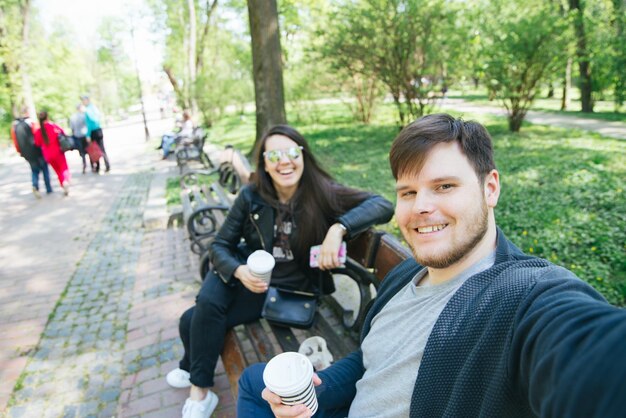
89,297
606,128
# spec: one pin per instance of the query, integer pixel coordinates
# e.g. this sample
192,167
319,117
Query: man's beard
475,234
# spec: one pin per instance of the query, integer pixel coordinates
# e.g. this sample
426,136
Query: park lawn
562,190
603,110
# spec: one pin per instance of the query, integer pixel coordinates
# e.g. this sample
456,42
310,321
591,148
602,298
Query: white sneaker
200,409
66,188
178,378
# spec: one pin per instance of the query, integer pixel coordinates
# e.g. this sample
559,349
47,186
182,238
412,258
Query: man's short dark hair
413,144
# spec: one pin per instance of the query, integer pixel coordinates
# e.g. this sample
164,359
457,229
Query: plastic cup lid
288,374
261,261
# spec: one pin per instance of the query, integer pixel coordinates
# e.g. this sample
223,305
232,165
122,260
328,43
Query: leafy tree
115,69
405,44
228,80
189,27
15,23
523,43
60,71
619,47
37,67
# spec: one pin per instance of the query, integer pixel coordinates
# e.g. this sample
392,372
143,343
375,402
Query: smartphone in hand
315,253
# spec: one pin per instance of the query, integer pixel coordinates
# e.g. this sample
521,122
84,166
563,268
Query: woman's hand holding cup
257,273
249,280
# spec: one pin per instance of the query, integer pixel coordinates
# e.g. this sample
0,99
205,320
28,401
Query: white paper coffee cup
261,263
290,376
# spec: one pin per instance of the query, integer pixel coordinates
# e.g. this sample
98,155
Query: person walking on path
470,326
94,130
24,142
292,205
79,132
47,137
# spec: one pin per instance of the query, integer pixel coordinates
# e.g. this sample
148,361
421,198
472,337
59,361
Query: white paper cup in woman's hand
261,263
290,376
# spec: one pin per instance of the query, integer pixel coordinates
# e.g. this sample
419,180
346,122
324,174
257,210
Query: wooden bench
192,149
370,257
206,196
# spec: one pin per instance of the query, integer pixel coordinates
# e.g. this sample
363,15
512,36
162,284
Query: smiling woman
292,205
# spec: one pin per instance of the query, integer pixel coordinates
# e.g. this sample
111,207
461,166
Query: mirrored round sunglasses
275,155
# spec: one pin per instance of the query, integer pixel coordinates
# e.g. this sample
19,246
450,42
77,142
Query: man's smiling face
443,211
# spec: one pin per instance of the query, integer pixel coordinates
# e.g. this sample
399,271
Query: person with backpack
47,137
23,139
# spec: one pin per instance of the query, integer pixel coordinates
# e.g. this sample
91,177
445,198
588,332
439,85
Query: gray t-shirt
78,126
394,346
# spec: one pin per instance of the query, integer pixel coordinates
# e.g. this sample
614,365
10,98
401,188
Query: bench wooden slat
286,338
364,246
389,254
233,360
264,347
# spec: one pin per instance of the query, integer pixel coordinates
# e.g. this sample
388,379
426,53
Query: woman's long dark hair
318,201
43,116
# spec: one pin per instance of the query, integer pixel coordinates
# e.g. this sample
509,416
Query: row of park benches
188,149
370,256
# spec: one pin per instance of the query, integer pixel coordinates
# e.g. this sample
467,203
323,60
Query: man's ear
492,188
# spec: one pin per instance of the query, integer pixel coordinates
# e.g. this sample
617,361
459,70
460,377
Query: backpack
26,140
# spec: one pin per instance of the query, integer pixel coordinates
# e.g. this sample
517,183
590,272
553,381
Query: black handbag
290,308
66,142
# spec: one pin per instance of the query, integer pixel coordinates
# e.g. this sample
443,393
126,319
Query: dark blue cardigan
524,338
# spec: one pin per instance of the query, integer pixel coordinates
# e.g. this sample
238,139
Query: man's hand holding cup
290,382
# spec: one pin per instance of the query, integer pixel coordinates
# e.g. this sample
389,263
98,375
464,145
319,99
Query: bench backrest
377,251
389,254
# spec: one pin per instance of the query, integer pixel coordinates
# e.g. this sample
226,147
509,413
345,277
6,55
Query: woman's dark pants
203,327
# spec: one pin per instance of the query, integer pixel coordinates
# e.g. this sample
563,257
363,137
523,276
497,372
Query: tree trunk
205,34
27,92
4,67
619,12
191,58
267,65
567,85
516,115
584,67
515,121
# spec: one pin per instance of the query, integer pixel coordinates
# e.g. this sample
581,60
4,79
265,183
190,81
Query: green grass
603,109
172,191
562,190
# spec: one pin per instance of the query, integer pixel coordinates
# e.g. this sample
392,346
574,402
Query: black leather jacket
250,227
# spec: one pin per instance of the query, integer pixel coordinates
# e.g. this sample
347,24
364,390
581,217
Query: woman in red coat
47,137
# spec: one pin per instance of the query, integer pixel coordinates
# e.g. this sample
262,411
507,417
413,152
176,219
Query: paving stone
110,395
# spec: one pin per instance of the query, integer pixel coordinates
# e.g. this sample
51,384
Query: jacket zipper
258,231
